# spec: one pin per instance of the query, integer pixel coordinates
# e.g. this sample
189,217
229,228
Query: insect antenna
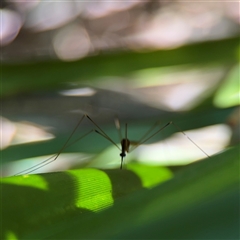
118,127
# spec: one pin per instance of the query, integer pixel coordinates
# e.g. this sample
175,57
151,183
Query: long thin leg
54,157
102,133
145,135
121,163
46,162
108,138
179,129
146,139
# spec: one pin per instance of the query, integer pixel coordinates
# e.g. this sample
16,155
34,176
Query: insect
124,141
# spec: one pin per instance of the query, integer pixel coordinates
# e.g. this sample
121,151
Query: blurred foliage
27,77
201,201
229,93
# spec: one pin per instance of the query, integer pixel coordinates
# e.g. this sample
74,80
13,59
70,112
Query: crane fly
124,141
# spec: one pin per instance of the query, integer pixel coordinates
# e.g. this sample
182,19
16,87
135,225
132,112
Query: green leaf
43,199
229,93
200,202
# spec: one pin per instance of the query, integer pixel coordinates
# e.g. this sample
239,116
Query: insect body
125,143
